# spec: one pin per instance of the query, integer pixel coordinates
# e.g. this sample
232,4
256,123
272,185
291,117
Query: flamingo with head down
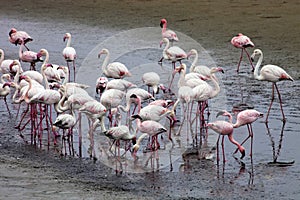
16,37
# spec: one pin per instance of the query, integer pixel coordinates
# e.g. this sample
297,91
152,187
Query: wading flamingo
225,128
69,53
245,117
151,79
29,56
271,73
242,42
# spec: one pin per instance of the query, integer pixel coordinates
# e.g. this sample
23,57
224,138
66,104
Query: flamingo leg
249,60
218,158
280,102
223,150
272,99
250,131
68,70
241,57
7,106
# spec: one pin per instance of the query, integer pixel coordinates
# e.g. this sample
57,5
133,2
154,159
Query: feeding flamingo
151,79
271,73
69,53
114,69
167,33
242,42
16,37
225,128
245,117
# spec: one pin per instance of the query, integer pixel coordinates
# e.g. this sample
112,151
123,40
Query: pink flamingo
16,37
242,42
162,102
114,69
120,84
148,128
167,33
69,53
271,73
245,117
101,84
225,128
5,65
29,56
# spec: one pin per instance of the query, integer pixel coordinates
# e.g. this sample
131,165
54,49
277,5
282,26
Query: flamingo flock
54,102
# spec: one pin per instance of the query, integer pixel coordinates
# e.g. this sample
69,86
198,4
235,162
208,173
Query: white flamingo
69,53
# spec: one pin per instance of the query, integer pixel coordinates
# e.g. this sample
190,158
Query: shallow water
36,173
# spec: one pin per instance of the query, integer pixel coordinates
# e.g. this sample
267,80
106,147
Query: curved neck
257,66
194,63
164,28
181,81
60,105
233,141
21,51
2,79
26,98
16,78
66,80
139,140
43,68
166,47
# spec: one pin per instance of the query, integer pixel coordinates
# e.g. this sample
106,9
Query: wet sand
31,173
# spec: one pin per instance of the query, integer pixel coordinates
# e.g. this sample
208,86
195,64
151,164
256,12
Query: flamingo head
7,77
22,77
242,150
42,52
66,36
133,140
192,53
162,22
133,117
103,51
223,113
7,84
135,148
13,30
255,52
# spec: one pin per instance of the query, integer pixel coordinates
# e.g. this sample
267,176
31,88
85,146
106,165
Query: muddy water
29,172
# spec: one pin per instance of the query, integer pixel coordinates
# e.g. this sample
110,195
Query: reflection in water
276,153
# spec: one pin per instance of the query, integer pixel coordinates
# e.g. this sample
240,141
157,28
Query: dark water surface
29,172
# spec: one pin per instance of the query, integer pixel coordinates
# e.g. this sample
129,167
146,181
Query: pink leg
272,99
74,67
249,60
241,57
7,106
223,151
218,157
280,102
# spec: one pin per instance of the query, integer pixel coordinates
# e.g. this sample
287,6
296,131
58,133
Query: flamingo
120,132
151,79
69,53
29,56
101,84
5,88
5,65
16,37
148,128
225,128
203,92
114,69
162,102
242,42
201,69
34,75
120,84
271,73
173,53
245,117
167,33
111,99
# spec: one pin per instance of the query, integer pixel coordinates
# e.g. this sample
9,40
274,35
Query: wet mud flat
29,172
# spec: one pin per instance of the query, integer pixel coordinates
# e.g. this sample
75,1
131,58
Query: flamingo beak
161,24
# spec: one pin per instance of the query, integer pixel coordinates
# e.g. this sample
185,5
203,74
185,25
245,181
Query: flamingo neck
192,68
66,80
43,68
105,62
216,91
16,78
257,66
166,48
26,97
181,81
21,51
69,42
164,28
233,141
139,140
